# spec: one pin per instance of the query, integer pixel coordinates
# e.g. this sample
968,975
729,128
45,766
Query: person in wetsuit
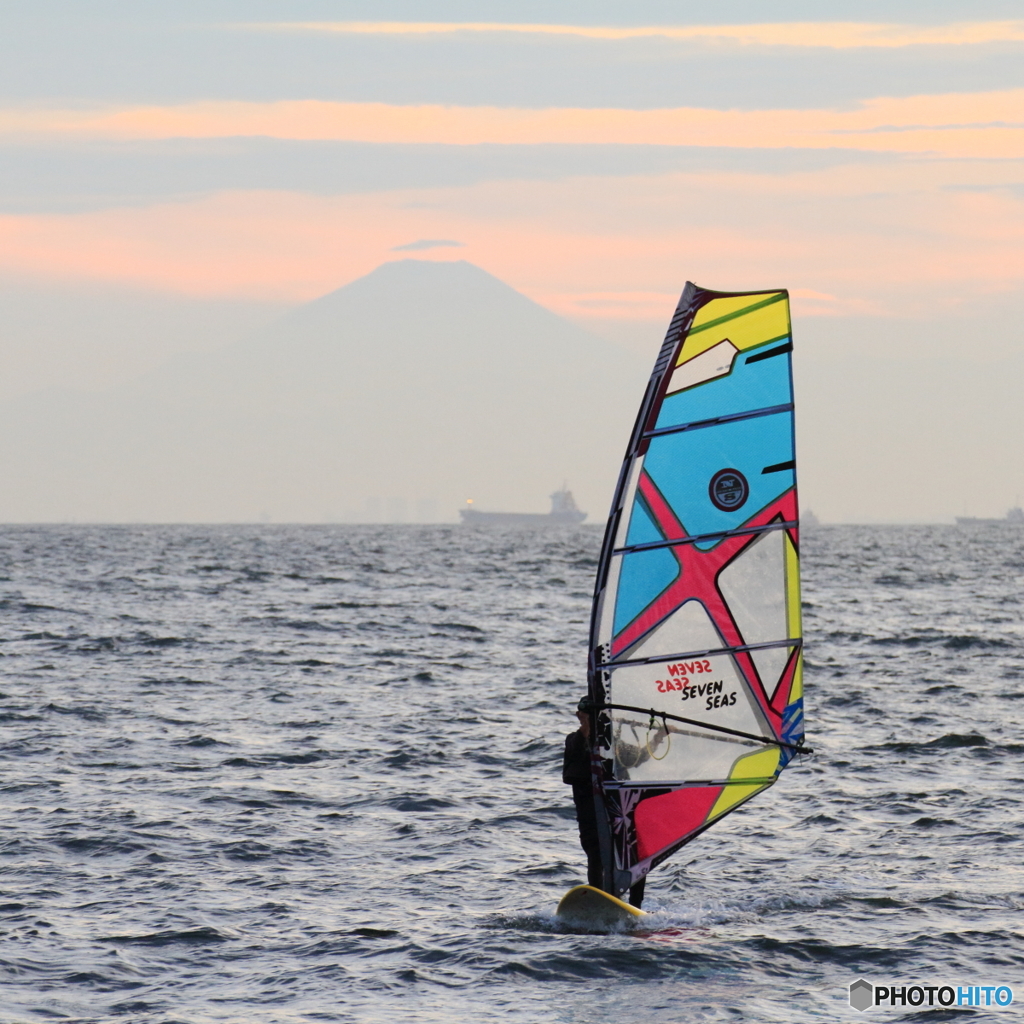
576,773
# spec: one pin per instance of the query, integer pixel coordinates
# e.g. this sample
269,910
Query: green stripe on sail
777,297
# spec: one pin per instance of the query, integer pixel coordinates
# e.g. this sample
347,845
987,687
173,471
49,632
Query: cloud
96,174
427,243
829,34
968,125
888,238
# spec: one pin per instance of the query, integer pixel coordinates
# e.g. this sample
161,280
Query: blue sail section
755,383
749,446
644,575
641,527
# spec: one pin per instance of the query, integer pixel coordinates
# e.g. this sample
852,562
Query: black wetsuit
576,773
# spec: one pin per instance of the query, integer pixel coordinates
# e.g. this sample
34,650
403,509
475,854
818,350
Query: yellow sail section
760,767
794,622
793,617
727,306
796,691
746,321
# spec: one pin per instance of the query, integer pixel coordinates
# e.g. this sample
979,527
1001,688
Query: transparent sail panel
754,587
688,628
710,690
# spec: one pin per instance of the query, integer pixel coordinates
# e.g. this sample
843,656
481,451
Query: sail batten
656,659
742,532
696,640
701,424
665,716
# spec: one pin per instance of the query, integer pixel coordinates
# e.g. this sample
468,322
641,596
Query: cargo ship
1015,517
563,513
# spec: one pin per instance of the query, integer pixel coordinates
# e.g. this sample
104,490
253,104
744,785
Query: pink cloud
959,125
896,236
828,34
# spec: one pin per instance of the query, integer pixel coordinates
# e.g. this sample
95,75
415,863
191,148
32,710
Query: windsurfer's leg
636,893
591,843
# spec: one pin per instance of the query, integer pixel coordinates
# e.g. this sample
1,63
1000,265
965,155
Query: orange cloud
897,238
830,34
988,125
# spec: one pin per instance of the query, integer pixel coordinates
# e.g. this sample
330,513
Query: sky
175,174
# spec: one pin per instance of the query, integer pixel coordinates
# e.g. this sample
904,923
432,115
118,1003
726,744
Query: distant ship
1015,517
563,513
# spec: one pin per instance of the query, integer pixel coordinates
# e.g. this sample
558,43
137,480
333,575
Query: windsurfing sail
695,644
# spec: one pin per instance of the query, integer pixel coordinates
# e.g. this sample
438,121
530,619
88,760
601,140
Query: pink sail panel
661,821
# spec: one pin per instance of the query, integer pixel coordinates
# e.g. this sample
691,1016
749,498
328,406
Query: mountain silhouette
411,389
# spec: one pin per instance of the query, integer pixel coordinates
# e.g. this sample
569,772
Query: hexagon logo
860,994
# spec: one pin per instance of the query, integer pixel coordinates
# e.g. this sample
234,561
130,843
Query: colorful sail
695,654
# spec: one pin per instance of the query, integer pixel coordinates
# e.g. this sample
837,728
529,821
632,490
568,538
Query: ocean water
282,774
